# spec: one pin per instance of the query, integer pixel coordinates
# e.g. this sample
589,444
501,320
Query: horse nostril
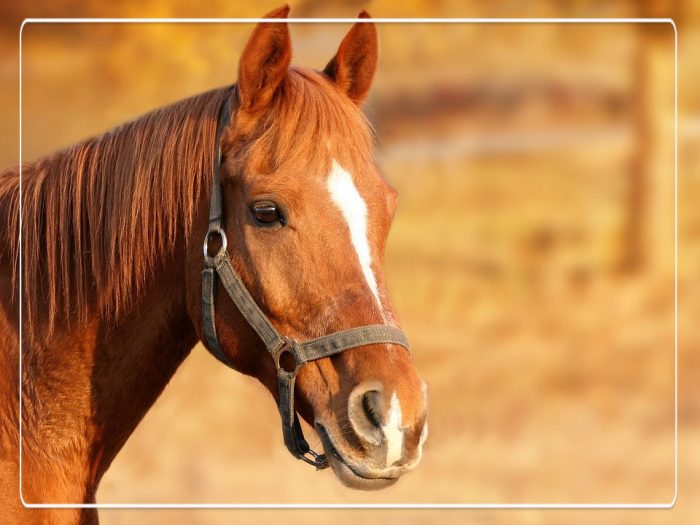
371,404
366,412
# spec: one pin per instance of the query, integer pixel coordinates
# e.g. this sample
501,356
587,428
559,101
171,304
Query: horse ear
352,68
264,61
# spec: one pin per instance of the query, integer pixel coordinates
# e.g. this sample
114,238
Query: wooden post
649,234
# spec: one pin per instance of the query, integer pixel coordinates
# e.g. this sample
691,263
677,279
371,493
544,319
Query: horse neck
111,373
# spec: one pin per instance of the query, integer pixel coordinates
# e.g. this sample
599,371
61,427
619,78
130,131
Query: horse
276,174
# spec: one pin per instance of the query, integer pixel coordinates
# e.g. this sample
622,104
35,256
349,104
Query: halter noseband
276,344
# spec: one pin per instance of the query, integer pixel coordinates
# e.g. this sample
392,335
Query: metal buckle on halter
317,460
218,230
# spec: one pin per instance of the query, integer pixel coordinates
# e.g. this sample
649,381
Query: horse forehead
353,190
359,172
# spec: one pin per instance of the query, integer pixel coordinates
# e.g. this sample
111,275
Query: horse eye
266,212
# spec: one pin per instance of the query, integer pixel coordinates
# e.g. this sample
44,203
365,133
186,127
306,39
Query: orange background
531,261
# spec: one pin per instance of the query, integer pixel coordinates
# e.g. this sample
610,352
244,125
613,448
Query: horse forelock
310,121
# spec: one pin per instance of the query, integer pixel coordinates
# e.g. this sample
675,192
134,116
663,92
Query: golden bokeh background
531,261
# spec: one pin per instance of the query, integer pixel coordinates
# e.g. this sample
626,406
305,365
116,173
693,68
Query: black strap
216,214
215,223
276,344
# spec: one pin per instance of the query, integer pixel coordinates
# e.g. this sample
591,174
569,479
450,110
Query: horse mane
97,216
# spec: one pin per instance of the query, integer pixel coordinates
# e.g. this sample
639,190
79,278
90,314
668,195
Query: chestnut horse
111,242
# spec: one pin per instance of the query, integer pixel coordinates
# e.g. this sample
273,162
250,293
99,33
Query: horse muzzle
374,447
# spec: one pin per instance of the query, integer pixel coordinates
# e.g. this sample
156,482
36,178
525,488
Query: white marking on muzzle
354,209
393,434
423,435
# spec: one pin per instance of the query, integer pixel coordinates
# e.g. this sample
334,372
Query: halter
277,345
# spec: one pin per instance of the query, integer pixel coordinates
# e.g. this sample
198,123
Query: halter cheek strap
277,345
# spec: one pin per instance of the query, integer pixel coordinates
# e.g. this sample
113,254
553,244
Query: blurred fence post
649,232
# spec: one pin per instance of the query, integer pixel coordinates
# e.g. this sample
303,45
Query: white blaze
393,432
354,209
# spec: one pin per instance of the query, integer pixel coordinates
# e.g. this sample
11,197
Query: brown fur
97,216
111,239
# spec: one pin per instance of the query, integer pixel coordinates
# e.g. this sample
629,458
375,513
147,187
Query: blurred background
531,260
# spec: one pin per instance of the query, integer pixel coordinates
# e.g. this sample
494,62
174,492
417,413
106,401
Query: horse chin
345,472
350,479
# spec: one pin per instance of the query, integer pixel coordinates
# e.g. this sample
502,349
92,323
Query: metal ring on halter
288,346
224,242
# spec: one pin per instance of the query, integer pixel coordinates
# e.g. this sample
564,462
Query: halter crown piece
276,344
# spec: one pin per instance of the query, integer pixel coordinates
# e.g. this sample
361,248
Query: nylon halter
277,345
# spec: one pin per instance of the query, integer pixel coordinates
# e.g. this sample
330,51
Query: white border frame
668,505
